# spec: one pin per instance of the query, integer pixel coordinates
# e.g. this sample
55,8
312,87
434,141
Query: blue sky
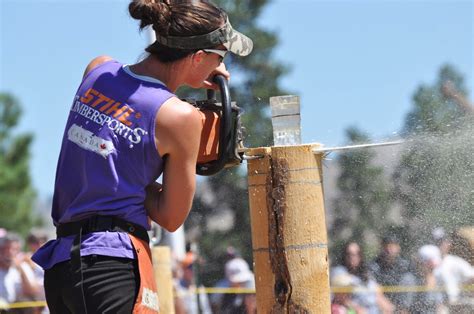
353,62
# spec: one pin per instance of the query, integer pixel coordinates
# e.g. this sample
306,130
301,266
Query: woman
367,292
125,128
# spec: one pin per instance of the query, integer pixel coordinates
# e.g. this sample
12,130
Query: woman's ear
197,57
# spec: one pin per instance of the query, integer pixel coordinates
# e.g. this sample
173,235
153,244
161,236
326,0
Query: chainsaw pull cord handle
225,130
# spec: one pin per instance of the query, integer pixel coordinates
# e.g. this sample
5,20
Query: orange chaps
147,299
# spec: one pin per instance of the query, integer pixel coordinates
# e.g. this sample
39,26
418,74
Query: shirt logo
104,111
87,140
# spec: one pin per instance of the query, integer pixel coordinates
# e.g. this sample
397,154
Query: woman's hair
361,270
176,18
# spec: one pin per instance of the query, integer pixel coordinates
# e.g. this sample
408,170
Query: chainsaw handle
225,131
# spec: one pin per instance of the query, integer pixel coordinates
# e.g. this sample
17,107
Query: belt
101,223
88,225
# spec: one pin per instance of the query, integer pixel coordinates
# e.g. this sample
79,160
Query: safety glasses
221,53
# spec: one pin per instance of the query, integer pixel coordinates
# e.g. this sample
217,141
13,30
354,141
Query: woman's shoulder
175,110
94,63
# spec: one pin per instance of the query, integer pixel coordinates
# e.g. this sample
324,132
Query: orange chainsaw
221,137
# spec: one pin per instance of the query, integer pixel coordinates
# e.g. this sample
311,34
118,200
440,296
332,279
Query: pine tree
364,195
434,179
16,192
436,112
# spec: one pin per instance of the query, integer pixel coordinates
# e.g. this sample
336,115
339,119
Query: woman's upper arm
96,62
178,134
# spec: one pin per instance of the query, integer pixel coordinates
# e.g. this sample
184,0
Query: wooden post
164,279
289,235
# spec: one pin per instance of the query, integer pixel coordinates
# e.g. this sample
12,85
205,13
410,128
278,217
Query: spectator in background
342,301
191,300
237,275
17,281
186,288
34,240
177,274
216,298
453,272
369,294
389,269
428,301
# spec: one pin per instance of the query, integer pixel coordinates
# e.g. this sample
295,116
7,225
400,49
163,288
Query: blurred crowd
433,281
21,280
232,294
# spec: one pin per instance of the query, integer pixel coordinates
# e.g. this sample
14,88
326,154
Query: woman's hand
221,69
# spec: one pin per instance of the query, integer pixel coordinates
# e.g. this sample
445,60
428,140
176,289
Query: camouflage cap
233,40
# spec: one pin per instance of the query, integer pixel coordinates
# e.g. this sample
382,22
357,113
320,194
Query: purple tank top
108,156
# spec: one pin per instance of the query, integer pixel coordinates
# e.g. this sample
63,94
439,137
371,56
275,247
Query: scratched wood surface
289,234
